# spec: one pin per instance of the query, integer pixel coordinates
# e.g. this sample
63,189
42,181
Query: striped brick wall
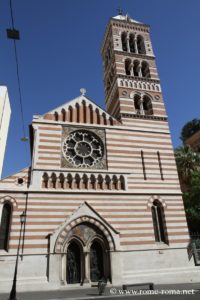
129,214
48,148
125,147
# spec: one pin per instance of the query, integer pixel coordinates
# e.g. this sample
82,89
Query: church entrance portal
87,255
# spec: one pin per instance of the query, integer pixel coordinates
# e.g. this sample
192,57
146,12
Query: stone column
87,266
135,45
131,70
141,107
127,43
139,71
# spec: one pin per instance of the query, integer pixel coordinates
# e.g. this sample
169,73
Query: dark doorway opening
96,262
73,263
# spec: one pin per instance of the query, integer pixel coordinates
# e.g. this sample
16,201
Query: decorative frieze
84,181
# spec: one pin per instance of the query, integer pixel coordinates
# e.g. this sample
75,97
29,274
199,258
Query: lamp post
13,290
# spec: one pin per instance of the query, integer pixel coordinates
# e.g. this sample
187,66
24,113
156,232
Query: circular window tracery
83,149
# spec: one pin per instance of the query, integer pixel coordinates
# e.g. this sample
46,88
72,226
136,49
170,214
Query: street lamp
13,290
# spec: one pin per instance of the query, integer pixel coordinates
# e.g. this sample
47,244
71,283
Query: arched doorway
85,252
96,262
73,263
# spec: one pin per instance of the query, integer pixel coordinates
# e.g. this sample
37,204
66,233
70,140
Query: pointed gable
80,110
17,180
85,213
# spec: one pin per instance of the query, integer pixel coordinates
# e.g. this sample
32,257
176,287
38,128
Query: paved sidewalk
92,293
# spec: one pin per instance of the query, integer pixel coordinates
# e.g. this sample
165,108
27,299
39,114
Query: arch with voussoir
9,199
63,235
153,198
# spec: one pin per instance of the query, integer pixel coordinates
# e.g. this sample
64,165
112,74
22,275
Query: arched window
124,41
128,66
136,68
147,106
70,114
92,182
77,113
137,104
63,115
140,45
77,181
159,222
5,226
145,70
85,181
62,181
53,180
69,182
56,116
100,182
114,182
131,43
45,180
122,182
107,182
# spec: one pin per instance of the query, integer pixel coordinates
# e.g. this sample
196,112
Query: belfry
102,197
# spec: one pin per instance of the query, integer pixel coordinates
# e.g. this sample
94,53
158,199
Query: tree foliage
189,129
192,203
187,162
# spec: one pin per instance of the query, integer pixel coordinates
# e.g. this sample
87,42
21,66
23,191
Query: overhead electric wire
18,77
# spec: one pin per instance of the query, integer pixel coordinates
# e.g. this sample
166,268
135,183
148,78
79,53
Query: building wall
137,257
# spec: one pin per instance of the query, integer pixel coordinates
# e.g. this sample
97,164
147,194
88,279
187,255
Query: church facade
102,197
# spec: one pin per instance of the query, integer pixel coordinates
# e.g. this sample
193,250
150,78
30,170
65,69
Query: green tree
192,203
189,129
187,162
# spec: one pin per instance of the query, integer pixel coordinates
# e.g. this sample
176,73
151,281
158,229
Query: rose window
83,149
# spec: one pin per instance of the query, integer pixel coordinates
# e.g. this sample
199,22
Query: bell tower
131,81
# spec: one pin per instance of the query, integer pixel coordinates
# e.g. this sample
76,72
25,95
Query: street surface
112,293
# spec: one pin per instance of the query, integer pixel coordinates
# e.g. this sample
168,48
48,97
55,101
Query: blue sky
59,52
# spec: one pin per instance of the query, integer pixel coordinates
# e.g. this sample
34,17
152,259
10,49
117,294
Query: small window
5,226
159,222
